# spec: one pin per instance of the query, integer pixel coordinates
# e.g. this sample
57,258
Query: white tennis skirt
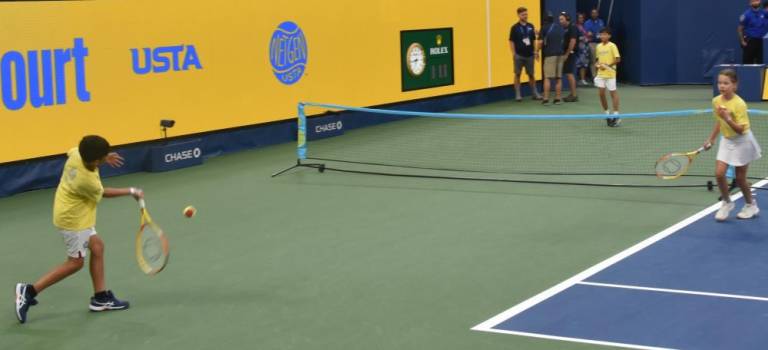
739,150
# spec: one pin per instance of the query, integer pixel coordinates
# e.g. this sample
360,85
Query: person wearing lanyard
551,43
593,26
522,41
752,28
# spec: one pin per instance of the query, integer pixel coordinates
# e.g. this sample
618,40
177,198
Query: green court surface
333,260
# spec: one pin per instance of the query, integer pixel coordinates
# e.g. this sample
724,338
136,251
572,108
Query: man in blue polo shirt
752,29
593,26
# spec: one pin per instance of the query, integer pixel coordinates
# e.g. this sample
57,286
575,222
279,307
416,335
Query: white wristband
133,191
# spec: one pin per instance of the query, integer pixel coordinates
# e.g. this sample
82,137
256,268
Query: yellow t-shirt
606,54
77,196
738,109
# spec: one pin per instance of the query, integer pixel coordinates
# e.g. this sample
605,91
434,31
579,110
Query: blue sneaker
107,302
24,300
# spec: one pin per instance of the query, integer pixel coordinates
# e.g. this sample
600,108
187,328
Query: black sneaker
609,121
24,300
558,102
571,99
107,302
616,122
537,98
545,102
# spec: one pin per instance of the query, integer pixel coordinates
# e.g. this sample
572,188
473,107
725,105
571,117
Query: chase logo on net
288,53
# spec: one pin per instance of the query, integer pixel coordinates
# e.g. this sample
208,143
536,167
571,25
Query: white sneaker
725,210
748,211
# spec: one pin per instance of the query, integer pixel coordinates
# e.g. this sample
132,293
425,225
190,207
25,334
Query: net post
301,140
301,137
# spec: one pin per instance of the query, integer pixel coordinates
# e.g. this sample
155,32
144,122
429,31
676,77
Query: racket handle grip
142,203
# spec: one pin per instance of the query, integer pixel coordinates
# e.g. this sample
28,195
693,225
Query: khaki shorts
77,242
553,67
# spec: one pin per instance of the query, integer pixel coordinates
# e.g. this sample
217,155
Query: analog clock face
416,58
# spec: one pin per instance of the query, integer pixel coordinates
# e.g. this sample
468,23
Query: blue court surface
696,285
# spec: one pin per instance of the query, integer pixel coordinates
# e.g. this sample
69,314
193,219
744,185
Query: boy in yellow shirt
74,215
607,56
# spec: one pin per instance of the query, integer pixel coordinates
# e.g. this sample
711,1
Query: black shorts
569,67
753,52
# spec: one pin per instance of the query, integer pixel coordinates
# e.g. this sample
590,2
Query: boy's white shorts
605,83
77,241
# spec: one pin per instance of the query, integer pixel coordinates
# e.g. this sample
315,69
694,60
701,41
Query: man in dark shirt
752,29
569,47
522,42
551,43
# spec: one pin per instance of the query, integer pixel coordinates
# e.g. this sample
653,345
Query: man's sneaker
24,300
725,210
545,102
584,83
558,102
748,211
571,99
107,302
537,98
519,99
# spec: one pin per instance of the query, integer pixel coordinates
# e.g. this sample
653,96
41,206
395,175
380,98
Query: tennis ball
190,211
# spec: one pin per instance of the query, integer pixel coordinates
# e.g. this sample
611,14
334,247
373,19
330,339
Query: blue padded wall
557,6
673,42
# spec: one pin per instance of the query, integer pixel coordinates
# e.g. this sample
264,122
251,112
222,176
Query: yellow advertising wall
353,59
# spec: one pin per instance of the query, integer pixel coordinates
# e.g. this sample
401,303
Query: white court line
674,291
488,325
580,340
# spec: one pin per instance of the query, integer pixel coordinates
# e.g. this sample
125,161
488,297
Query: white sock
616,113
607,112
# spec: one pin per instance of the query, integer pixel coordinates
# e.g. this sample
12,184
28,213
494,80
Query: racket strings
153,247
673,165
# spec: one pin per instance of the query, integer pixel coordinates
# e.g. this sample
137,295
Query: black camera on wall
167,123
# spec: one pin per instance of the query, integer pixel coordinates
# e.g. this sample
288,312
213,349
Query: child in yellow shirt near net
607,57
738,146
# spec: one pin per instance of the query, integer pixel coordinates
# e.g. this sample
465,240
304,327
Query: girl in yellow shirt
738,146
